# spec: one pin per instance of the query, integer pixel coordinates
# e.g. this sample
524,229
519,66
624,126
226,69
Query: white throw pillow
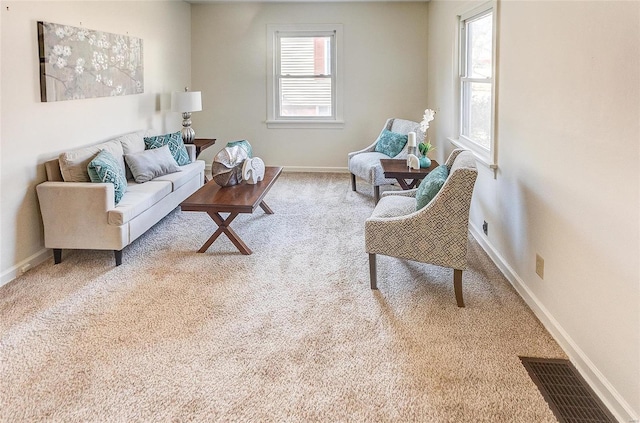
73,164
149,164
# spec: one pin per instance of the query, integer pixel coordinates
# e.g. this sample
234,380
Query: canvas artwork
80,63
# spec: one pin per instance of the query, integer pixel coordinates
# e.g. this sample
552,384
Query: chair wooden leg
457,286
373,277
376,193
353,182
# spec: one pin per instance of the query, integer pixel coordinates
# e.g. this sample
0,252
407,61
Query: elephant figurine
253,170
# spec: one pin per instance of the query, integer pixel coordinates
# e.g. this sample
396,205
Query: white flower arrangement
429,115
425,147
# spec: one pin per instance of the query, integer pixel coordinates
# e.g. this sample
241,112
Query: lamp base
188,134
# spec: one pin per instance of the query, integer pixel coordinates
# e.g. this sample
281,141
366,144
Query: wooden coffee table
242,198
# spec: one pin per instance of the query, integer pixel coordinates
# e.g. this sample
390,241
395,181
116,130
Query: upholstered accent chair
365,163
435,234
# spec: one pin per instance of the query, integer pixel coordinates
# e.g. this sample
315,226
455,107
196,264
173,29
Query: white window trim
272,121
487,157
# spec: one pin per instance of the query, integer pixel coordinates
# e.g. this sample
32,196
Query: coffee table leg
223,227
266,208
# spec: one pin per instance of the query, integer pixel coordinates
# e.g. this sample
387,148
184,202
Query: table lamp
185,103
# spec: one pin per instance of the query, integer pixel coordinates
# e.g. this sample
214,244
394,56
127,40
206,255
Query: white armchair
436,234
365,163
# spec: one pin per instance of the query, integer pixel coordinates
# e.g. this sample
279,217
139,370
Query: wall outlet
540,266
485,228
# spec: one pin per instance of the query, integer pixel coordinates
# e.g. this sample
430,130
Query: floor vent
566,392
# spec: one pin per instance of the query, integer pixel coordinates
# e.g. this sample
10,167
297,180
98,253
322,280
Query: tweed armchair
365,163
435,234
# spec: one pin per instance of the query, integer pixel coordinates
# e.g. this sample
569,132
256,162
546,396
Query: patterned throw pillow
430,185
105,168
176,146
390,143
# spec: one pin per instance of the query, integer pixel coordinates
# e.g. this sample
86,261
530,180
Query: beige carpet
290,333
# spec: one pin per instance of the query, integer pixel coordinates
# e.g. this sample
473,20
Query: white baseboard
316,169
31,261
621,410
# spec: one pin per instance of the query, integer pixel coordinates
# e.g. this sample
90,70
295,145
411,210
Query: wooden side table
395,168
203,144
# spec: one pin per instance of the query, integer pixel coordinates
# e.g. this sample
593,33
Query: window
304,84
476,82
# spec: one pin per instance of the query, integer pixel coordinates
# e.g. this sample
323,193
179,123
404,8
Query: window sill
305,124
482,158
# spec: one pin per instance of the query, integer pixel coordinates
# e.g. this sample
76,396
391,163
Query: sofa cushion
73,163
430,186
105,168
186,173
132,142
137,199
148,164
175,143
390,143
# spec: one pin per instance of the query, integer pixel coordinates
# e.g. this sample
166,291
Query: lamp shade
186,101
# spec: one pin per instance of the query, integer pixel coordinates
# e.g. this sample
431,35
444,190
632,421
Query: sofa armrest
75,215
191,151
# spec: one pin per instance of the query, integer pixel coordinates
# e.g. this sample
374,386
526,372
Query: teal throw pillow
175,143
105,168
390,143
430,185
244,144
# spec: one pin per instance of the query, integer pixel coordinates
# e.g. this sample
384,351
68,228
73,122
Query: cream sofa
79,214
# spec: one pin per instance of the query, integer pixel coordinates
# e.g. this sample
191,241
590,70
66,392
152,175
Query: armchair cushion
430,186
394,206
367,166
390,143
105,168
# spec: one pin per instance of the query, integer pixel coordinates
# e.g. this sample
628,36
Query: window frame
274,32
484,155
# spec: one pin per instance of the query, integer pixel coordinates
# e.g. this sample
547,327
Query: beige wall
384,70
33,132
567,186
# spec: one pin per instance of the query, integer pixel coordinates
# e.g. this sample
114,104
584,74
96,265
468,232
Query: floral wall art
80,63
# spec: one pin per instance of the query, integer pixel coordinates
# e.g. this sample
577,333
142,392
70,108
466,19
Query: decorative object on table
425,147
186,102
253,170
413,162
226,169
77,63
411,143
244,144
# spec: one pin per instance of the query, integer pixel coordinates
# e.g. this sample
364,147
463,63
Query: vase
425,162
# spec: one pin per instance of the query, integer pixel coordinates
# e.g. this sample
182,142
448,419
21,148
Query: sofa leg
353,182
376,193
457,286
57,255
118,255
373,276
